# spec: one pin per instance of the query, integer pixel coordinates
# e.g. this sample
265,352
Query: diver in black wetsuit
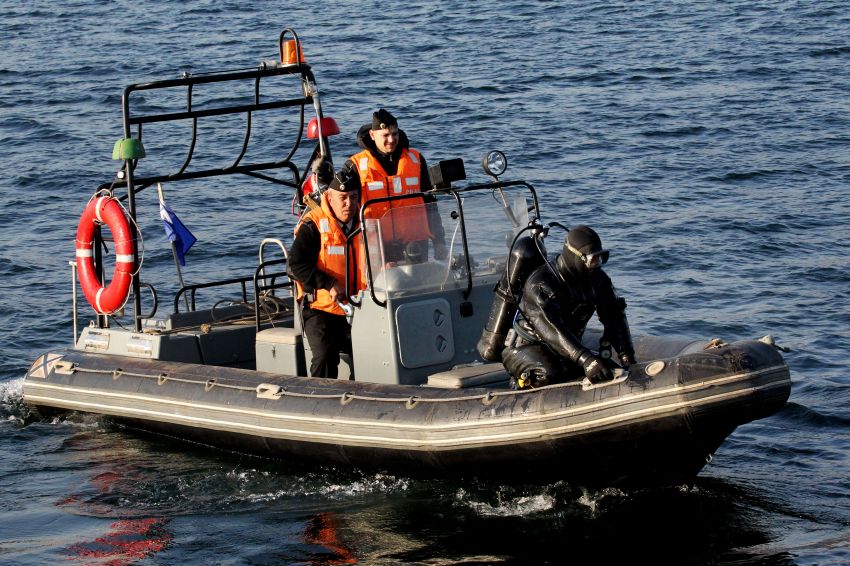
555,305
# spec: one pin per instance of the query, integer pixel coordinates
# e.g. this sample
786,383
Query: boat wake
507,504
512,501
12,406
327,486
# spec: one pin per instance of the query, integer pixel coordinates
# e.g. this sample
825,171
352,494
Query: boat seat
477,375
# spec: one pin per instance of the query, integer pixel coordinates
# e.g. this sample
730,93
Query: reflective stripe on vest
401,225
332,257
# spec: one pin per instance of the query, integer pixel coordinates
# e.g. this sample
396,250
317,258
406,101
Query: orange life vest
332,257
407,221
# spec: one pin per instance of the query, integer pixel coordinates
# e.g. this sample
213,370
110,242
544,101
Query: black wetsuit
555,305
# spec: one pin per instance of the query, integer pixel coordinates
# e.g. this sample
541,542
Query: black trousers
328,335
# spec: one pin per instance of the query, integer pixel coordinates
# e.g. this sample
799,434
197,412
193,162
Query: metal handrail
260,274
192,289
131,118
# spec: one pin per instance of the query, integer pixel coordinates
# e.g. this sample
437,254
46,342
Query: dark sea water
708,143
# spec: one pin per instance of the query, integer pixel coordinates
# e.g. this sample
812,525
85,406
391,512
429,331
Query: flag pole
174,251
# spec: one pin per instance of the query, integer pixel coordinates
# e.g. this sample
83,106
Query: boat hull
643,428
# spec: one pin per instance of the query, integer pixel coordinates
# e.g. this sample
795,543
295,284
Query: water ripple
707,142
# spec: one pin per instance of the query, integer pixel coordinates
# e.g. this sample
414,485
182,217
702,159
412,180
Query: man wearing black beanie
555,305
388,166
317,263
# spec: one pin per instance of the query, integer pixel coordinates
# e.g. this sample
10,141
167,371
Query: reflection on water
558,523
138,496
322,530
126,542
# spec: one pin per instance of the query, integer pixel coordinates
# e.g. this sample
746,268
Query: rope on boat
346,397
280,307
163,377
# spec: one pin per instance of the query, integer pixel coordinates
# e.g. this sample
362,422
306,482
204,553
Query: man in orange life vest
317,263
388,166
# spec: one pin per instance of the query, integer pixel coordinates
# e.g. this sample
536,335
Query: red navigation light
329,128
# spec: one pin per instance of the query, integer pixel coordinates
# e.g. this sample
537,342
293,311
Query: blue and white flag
176,231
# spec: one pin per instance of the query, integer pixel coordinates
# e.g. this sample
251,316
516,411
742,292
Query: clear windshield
419,247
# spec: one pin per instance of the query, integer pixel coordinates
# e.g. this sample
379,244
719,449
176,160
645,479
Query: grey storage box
281,350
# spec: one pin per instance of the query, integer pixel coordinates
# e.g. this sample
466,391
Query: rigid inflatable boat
423,392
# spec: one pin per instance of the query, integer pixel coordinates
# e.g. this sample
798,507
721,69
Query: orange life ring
105,210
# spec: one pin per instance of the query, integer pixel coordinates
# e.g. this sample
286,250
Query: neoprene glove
595,369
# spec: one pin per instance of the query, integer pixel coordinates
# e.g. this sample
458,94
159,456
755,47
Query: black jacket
304,257
558,301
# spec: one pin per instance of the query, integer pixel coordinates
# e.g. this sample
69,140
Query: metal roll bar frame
131,119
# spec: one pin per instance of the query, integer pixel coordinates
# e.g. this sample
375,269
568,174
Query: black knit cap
345,183
381,120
